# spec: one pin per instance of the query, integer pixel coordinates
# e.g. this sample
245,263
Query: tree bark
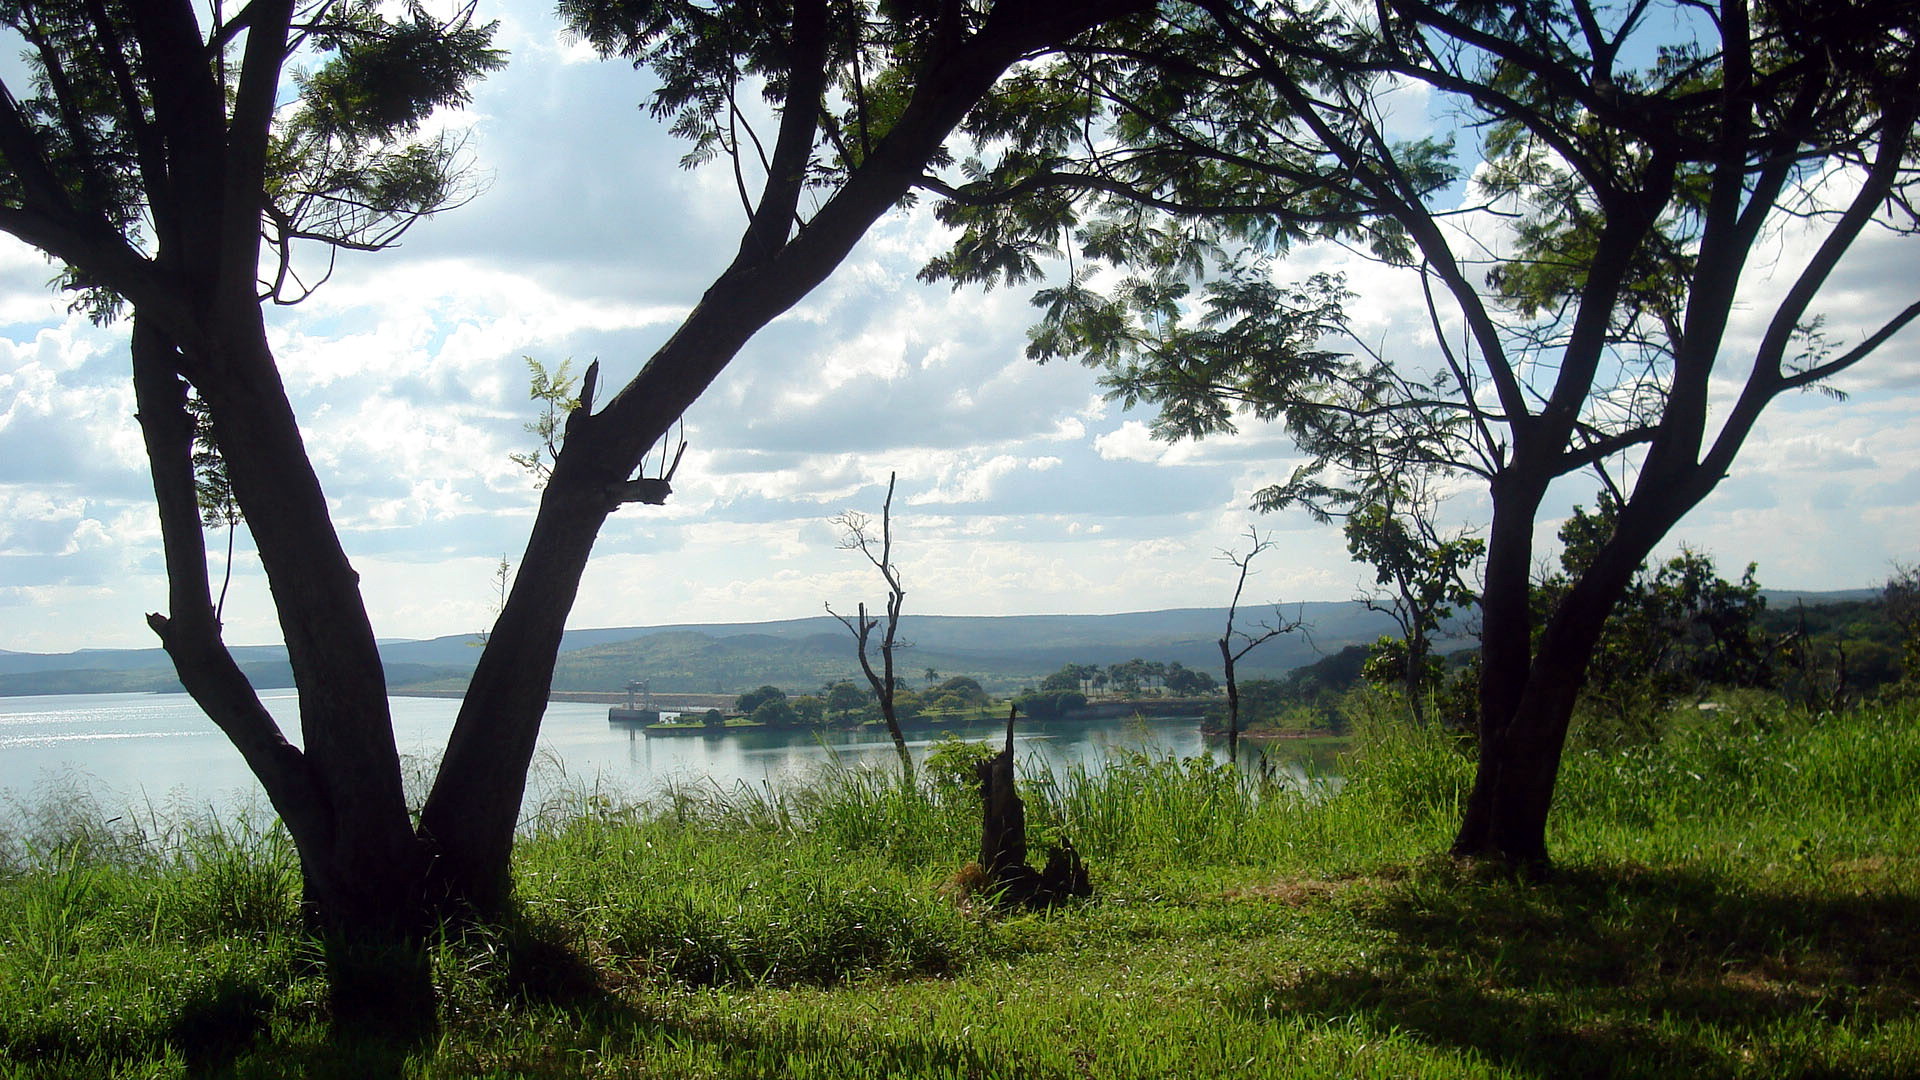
361,871
1003,840
470,814
1233,700
1003,820
1506,647
1527,705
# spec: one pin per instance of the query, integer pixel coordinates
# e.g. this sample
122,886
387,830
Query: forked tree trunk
340,797
1528,690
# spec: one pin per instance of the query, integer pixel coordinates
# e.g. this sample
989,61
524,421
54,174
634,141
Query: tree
1678,628
1901,594
809,709
746,703
958,692
775,713
1236,644
1186,682
1044,704
1071,677
857,536
1422,574
1127,677
158,164
1635,159
844,697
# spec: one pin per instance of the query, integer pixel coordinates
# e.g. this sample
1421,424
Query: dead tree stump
1003,840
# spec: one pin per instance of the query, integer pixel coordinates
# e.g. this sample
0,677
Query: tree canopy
1583,238
174,162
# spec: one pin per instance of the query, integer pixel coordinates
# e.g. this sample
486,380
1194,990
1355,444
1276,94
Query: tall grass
1741,899
1753,785
136,935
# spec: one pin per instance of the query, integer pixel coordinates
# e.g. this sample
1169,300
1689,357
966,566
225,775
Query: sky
1020,489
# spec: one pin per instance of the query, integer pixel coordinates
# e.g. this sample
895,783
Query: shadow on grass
1621,971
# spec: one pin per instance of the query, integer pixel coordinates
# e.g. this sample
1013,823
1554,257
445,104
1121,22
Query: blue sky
1020,491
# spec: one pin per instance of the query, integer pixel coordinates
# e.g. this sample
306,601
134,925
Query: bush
1050,704
950,769
775,714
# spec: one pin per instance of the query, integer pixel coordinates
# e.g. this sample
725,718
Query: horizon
905,616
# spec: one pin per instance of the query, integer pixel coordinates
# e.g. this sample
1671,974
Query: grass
1742,900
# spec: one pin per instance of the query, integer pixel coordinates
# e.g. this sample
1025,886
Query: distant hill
1004,652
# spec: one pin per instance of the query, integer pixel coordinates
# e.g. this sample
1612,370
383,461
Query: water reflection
135,749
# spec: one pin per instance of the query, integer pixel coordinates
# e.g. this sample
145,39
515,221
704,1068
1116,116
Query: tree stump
1003,841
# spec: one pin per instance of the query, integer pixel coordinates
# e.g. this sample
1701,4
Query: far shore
663,702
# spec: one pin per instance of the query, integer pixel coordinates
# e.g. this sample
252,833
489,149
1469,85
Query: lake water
131,751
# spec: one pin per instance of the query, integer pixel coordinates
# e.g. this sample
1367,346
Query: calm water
133,750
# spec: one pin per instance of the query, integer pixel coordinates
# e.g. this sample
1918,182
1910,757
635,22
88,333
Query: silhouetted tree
857,535
1236,643
1639,155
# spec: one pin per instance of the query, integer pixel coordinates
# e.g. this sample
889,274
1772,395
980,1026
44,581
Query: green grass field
1741,900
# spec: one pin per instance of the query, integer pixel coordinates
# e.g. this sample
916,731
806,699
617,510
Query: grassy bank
1743,900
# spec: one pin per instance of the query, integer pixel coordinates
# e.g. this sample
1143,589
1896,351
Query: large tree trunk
469,817
1506,630
340,796
1528,690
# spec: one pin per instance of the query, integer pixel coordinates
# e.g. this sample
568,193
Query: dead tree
1229,653
859,537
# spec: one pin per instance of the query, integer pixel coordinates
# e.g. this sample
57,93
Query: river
140,751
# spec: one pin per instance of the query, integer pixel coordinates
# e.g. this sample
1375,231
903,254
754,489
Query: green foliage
950,768
387,75
210,481
753,699
1425,577
556,391
1311,697
808,709
958,692
775,713
1679,629
1901,596
1186,682
1050,704
843,697
1070,677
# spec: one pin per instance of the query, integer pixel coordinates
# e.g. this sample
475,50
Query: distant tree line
1135,676
846,704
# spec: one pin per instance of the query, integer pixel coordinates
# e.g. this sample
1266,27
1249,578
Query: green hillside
689,662
1004,653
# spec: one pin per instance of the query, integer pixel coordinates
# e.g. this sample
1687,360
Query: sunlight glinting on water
128,749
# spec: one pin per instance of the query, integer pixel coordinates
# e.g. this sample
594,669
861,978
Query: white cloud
1131,441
